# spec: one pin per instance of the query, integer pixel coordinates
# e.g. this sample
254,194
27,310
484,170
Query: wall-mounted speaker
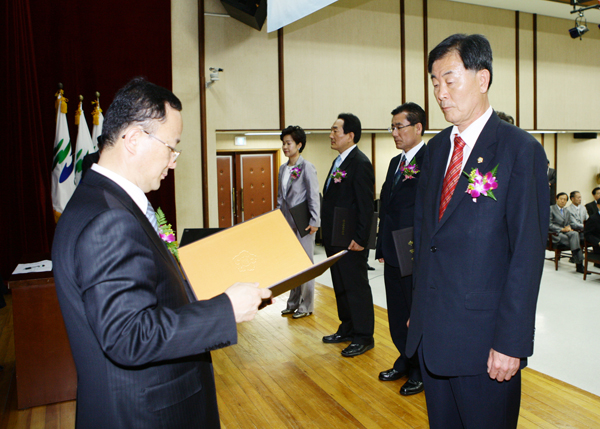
250,12
585,136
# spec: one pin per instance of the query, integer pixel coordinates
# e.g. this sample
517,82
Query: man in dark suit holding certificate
481,225
139,339
397,211
349,187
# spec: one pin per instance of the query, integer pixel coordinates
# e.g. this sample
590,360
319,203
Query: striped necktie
452,175
399,171
151,215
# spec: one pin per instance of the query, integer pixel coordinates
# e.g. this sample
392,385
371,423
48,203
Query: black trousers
353,295
470,402
398,292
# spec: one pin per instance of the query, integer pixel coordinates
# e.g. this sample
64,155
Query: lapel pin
479,160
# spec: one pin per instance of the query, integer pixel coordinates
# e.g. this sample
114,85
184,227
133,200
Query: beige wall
346,57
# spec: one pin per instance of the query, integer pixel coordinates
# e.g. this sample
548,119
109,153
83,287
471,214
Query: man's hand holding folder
246,298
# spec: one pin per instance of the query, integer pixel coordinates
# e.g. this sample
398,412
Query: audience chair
560,251
589,256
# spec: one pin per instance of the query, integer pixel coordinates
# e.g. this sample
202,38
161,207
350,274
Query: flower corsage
338,175
410,171
166,233
482,184
295,172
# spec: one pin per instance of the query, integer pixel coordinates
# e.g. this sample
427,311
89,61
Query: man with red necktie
480,230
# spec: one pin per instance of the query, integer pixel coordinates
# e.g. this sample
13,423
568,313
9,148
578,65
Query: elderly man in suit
577,213
349,185
139,339
561,226
481,221
592,207
397,211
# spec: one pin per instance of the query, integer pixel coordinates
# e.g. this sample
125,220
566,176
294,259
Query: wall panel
568,71
446,18
343,58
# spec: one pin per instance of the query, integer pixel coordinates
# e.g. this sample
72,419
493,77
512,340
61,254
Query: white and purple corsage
482,184
338,175
409,171
295,172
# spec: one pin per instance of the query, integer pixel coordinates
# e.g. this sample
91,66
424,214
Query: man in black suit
139,338
397,211
591,207
349,185
481,225
591,230
552,184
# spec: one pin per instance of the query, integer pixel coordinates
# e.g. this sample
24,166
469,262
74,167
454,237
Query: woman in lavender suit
297,183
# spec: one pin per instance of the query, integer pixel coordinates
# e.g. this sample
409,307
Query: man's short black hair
297,134
414,114
473,49
596,189
560,194
137,102
572,194
351,125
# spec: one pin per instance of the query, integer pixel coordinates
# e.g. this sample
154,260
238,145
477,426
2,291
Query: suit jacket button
433,249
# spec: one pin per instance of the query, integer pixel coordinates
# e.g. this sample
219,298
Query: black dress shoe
579,268
391,375
336,338
411,387
357,349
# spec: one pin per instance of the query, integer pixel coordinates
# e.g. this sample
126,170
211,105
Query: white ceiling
541,7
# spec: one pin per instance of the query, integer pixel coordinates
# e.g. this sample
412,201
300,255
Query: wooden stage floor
281,375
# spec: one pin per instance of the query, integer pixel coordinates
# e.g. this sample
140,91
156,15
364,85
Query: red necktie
452,174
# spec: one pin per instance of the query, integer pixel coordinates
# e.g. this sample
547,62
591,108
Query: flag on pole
283,12
63,183
84,141
98,120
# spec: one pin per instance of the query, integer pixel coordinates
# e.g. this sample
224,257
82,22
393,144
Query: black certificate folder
344,225
403,241
301,217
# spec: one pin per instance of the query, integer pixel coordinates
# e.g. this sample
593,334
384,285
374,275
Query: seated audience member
592,231
505,117
578,214
591,207
561,225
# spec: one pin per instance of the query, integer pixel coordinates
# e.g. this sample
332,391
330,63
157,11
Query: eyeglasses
398,127
174,153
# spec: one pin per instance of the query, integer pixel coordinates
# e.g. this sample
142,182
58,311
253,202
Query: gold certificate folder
263,250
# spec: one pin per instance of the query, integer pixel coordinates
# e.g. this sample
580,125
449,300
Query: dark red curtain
88,47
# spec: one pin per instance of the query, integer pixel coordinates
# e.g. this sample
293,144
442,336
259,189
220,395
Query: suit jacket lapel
123,197
417,160
299,164
482,151
342,166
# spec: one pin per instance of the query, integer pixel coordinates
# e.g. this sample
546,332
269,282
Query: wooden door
256,184
247,185
226,190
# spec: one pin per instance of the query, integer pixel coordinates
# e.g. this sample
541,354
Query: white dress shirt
469,136
408,156
136,194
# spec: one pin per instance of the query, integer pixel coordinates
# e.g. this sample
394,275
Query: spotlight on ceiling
580,27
